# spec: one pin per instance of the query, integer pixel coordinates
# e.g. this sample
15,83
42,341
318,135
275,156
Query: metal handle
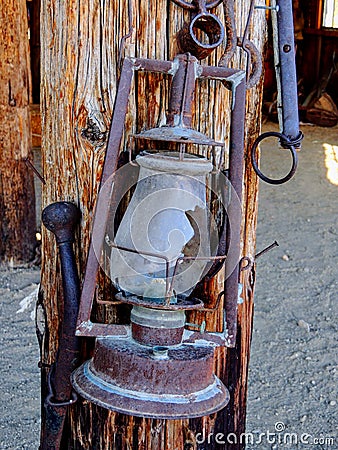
61,218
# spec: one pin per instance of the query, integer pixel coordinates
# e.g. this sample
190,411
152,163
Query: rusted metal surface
254,62
34,169
61,218
177,134
191,37
236,173
203,22
182,92
155,327
179,115
110,165
192,6
150,382
267,249
254,65
150,336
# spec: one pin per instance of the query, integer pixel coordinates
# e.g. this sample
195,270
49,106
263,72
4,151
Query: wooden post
17,202
81,47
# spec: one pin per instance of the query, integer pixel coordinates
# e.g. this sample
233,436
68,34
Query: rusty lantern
157,249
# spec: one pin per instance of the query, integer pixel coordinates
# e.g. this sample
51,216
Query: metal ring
284,139
194,7
212,26
189,41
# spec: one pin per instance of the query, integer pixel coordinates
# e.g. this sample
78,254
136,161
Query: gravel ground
292,399
20,375
294,362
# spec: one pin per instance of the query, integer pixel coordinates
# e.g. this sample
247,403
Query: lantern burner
162,383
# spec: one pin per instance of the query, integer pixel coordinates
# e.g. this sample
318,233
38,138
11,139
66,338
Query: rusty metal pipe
182,92
61,219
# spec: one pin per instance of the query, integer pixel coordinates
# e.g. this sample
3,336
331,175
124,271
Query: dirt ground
294,361
292,400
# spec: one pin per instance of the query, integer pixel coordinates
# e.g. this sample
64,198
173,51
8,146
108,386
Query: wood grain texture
80,68
17,207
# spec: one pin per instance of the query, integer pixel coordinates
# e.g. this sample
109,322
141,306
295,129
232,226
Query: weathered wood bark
17,207
80,56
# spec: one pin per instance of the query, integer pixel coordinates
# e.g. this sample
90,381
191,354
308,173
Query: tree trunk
80,67
17,204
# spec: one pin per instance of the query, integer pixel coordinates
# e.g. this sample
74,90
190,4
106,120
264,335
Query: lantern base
153,382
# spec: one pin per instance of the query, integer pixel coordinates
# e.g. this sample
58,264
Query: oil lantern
157,249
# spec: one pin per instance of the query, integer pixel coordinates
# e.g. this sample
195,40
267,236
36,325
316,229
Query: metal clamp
51,400
286,143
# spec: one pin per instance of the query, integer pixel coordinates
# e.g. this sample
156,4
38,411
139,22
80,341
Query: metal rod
267,249
35,170
285,65
236,171
182,92
271,8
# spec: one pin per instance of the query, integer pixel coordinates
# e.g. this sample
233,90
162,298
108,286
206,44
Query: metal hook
126,36
254,64
231,36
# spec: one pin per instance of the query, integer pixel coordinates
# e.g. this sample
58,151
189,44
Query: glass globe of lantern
162,246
